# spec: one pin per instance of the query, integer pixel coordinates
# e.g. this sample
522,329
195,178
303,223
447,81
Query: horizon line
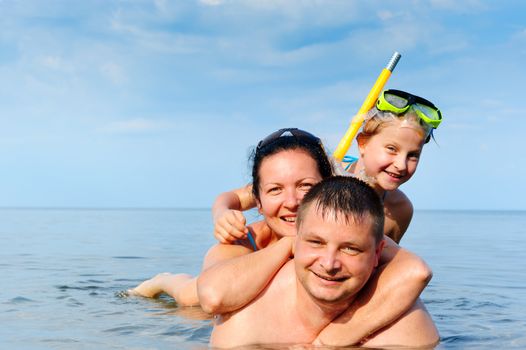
188,208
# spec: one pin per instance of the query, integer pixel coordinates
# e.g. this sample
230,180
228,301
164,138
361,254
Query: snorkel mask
397,102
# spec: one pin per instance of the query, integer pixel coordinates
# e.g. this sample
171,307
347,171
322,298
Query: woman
311,164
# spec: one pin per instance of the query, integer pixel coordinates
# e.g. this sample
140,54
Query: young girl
286,165
390,145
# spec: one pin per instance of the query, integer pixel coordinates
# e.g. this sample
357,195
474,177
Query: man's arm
390,292
231,284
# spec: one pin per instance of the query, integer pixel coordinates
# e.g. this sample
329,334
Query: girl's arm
231,284
390,292
398,214
226,213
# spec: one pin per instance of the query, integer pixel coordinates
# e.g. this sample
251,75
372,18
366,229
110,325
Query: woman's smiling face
285,177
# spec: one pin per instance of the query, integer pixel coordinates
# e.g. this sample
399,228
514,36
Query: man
339,241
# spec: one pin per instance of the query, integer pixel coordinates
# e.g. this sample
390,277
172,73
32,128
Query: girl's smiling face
285,178
391,156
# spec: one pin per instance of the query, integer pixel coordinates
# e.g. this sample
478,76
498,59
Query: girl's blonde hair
376,120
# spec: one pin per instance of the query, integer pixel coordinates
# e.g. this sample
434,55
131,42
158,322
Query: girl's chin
390,184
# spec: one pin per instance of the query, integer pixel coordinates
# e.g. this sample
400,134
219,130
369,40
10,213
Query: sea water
62,273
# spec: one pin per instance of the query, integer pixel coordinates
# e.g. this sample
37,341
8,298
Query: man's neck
316,313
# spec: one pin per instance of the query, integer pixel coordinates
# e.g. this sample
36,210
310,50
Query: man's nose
330,260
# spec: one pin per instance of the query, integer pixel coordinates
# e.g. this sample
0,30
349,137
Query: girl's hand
230,226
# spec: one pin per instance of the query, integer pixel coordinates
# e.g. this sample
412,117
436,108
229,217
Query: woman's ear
258,205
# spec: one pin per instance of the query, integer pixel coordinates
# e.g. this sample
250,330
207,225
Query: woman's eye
273,190
314,242
306,186
391,149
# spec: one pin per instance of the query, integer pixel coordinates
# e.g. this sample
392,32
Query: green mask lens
428,114
398,102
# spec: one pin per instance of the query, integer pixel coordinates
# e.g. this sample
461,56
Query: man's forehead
336,216
320,218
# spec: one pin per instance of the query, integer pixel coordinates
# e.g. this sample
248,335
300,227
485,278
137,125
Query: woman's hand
230,226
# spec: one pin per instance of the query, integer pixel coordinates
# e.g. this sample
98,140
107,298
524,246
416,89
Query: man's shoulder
286,276
415,328
280,289
271,309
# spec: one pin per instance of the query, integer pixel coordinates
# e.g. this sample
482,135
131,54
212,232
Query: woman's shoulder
261,233
259,228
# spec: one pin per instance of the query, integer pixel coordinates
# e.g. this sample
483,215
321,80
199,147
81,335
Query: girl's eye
391,149
414,156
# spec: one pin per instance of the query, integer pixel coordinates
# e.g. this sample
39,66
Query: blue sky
157,103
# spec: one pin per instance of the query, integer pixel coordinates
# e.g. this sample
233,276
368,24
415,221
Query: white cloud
161,5
519,36
137,125
385,15
114,73
160,41
308,12
211,2
464,6
460,126
53,62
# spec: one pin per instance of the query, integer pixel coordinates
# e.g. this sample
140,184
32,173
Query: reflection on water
65,271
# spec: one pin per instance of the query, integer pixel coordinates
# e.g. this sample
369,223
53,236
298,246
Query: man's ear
378,252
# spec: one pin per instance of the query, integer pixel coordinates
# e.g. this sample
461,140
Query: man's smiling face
334,256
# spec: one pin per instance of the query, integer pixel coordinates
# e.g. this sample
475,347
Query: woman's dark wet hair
282,140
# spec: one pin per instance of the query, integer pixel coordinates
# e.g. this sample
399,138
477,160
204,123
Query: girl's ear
361,139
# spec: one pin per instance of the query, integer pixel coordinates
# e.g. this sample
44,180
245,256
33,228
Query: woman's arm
231,284
390,292
227,214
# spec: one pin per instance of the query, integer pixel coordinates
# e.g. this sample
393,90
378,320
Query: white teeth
393,175
289,219
332,279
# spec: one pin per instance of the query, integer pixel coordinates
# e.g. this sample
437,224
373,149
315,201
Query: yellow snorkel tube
371,98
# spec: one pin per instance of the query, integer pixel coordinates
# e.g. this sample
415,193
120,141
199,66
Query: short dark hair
312,147
345,196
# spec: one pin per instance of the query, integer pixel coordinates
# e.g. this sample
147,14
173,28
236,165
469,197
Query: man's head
340,237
